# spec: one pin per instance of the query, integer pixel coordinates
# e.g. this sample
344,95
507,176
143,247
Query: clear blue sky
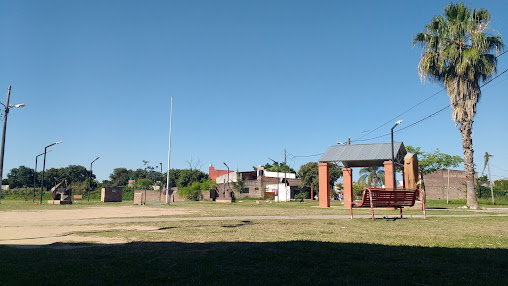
248,79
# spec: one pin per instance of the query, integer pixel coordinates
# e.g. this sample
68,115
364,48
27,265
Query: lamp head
398,122
340,143
17,105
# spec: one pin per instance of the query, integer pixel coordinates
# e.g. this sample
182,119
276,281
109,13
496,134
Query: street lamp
6,112
35,173
90,178
393,156
228,179
44,165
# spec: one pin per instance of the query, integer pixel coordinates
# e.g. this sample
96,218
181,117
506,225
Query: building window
245,190
256,189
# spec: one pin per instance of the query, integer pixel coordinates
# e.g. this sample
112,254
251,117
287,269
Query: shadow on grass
244,263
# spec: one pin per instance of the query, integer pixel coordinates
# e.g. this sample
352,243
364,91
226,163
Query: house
279,186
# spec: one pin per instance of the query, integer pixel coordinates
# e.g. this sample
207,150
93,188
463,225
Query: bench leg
400,212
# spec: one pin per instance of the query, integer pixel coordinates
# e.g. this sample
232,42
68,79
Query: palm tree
458,52
373,176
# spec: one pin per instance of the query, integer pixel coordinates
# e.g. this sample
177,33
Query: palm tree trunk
467,146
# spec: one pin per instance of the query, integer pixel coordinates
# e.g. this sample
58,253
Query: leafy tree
309,174
188,176
143,184
358,188
194,191
431,162
20,177
373,176
120,176
277,166
458,52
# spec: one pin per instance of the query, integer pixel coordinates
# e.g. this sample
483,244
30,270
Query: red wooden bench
388,198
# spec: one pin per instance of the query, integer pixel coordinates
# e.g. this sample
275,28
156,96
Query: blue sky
248,79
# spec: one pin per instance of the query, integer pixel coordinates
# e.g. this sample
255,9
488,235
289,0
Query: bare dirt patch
35,228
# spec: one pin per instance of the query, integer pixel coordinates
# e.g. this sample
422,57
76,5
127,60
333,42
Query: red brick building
436,185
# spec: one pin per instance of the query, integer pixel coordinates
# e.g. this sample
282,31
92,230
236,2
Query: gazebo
360,155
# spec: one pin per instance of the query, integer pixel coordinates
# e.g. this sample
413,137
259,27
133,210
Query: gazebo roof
364,155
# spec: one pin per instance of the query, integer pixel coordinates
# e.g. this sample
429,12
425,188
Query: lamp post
6,112
90,178
393,156
44,165
35,173
228,179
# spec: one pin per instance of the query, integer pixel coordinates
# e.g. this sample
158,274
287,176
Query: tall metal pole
90,179
44,166
35,174
169,152
393,156
228,179
6,111
285,179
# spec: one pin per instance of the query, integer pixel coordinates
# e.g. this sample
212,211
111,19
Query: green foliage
373,176
187,177
301,196
276,166
193,192
309,174
143,184
358,188
431,162
501,185
20,177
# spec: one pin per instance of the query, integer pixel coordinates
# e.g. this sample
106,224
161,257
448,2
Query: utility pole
491,187
168,183
285,179
6,111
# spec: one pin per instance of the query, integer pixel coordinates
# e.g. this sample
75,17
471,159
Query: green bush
301,196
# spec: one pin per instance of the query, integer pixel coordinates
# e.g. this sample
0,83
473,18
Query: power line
425,118
419,103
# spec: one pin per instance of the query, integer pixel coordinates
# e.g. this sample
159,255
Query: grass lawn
412,251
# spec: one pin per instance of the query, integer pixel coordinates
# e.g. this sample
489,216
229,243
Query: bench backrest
390,198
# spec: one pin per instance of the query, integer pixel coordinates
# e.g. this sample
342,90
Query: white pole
168,186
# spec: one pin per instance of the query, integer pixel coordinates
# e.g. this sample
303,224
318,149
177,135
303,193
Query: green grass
436,251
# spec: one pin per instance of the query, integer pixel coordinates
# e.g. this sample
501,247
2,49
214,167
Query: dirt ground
36,228
45,227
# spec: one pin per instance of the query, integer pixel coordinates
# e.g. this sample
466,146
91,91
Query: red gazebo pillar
324,185
388,175
347,184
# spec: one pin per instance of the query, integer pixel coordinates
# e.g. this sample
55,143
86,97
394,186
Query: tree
309,174
431,162
457,51
120,176
373,176
188,176
20,177
277,166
